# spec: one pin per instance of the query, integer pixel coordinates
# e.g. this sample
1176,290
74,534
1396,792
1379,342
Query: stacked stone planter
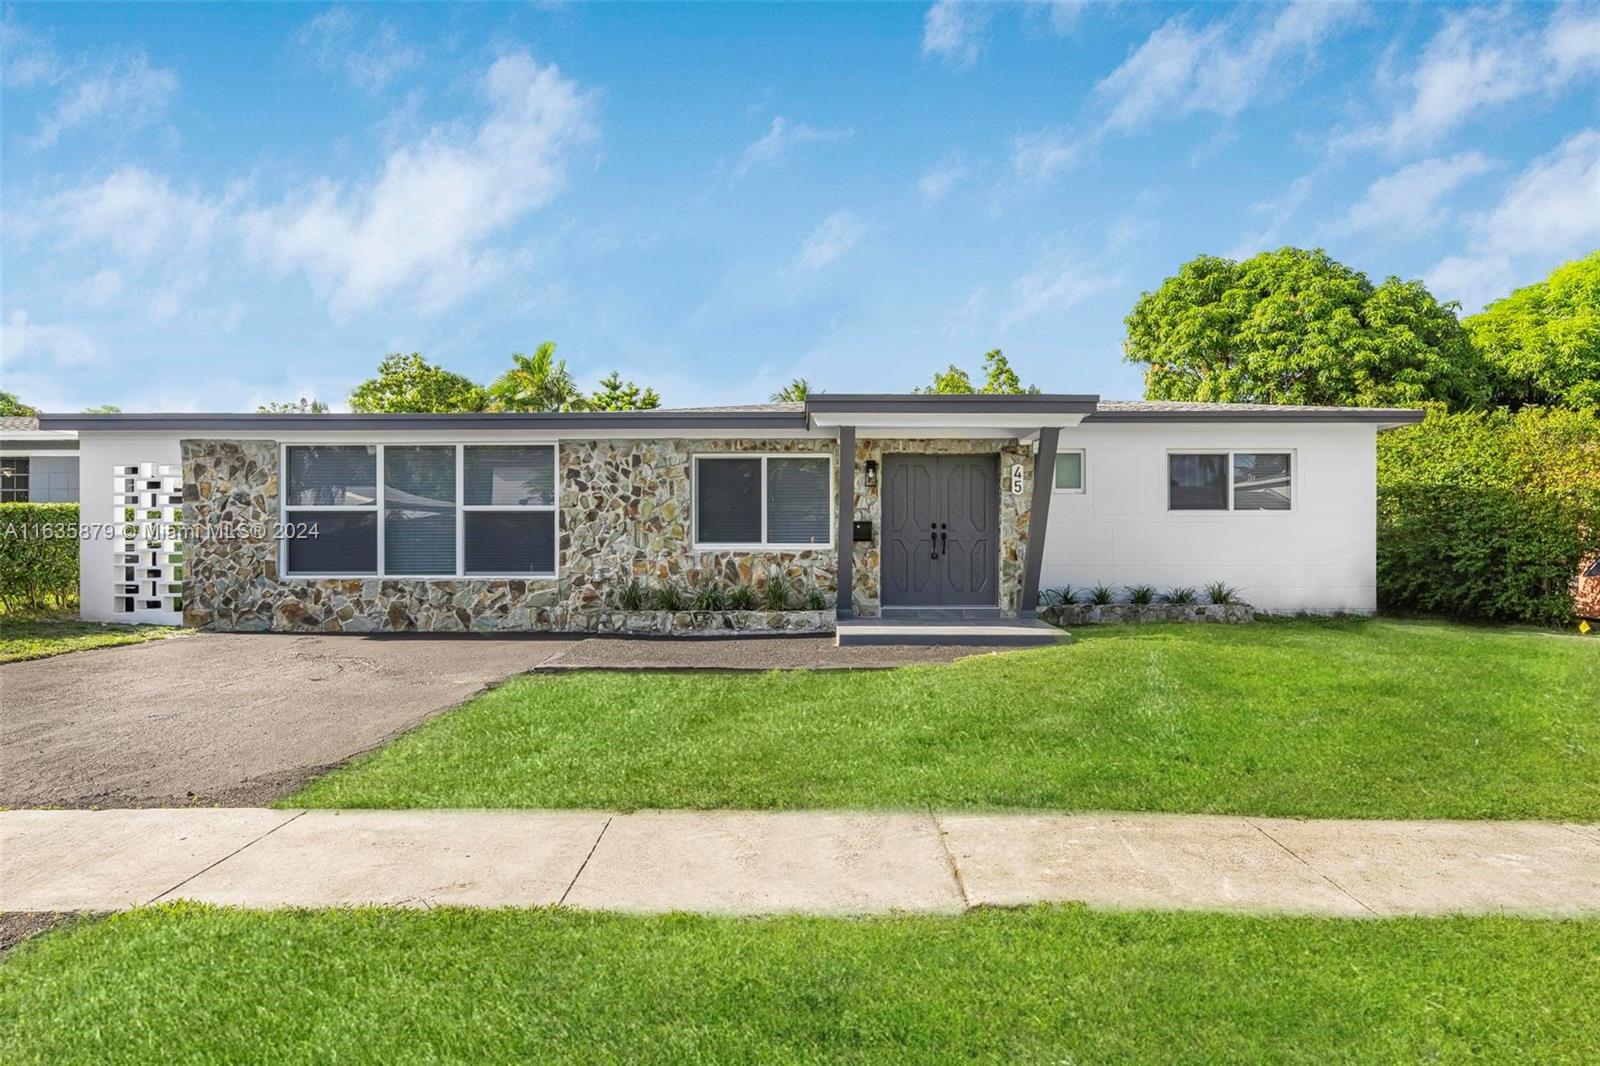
713,623
1090,614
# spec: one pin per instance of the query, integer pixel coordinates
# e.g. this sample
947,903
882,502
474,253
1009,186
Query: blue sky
205,208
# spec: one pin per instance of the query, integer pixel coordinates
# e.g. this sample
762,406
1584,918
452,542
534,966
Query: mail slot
861,530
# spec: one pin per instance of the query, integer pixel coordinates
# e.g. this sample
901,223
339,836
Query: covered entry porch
943,506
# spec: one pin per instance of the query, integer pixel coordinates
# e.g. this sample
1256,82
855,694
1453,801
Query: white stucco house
37,465
870,504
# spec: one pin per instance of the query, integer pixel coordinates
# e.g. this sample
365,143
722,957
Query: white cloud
26,59
935,184
423,224
1041,155
779,138
371,55
130,93
1220,68
1060,15
1482,58
953,31
1549,212
135,216
833,237
1059,282
1278,211
1410,201
24,343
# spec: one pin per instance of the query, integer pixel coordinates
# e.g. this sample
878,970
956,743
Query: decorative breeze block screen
147,510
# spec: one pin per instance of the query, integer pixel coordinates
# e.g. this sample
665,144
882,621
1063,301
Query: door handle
933,545
944,539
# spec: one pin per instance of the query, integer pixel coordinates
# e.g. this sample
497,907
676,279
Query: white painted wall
98,456
1321,555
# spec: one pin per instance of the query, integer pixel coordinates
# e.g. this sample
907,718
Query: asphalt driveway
240,719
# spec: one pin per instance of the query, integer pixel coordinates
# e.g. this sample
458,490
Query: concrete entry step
974,632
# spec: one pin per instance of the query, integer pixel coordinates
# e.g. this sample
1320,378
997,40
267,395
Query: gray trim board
955,403
844,538
560,421
1044,476
43,444
1400,414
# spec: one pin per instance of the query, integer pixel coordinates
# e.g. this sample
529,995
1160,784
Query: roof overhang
945,415
1382,417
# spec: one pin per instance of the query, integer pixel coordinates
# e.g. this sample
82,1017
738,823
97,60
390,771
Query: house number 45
1016,479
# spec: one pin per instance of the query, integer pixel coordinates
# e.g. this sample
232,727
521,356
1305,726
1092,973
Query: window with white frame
768,501
1069,470
420,510
1229,481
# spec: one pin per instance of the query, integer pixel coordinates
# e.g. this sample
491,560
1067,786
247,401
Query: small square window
1069,471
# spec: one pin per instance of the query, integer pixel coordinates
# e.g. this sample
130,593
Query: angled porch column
844,541
1044,479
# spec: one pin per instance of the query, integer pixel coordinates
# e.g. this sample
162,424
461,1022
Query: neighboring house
37,466
538,521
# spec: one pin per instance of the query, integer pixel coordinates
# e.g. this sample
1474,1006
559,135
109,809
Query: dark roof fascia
42,444
561,422
949,403
1396,415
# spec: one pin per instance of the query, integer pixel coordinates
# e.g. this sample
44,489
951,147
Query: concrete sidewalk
818,862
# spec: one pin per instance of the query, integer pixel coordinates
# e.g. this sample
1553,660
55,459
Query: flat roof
834,408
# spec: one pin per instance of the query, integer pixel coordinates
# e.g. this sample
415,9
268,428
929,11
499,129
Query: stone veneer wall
625,511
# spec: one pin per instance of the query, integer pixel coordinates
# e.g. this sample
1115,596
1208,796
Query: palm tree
794,392
537,382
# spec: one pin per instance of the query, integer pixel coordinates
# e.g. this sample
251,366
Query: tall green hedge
1487,514
38,555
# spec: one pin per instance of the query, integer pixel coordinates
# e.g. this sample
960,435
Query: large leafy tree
409,383
1297,327
614,394
12,407
998,378
1542,343
537,382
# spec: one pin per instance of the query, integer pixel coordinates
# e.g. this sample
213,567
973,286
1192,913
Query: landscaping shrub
709,597
741,598
38,555
775,594
632,597
1487,514
667,597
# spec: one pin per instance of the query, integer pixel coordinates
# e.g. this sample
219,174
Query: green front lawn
1359,719
40,636
1042,985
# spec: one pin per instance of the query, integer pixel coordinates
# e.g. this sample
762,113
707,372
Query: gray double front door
941,530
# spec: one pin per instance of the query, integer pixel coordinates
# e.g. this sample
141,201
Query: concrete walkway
820,862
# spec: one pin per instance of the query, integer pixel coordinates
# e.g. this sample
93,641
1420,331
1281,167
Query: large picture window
765,501
1229,481
424,510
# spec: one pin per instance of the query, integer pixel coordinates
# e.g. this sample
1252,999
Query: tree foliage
103,409
537,382
795,392
1297,327
999,378
409,383
614,394
1542,343
292,407
12,407
1489,514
